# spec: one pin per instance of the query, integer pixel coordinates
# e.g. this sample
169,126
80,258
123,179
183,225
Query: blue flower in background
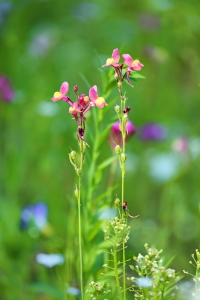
153,132
35,214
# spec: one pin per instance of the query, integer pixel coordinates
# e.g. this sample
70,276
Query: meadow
45,43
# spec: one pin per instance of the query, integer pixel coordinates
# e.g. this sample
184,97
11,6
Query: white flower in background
144,282
48,109
107,214
50,260
73,291
164,166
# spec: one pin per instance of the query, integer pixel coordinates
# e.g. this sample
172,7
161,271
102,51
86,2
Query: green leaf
102,196
107,162
94,231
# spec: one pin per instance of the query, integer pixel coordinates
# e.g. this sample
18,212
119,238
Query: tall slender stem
116,270
79,219
123,131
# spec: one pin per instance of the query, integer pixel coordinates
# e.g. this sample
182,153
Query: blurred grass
44,43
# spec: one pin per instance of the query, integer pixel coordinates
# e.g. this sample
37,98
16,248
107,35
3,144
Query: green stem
79,220
123,130
197,285
116,269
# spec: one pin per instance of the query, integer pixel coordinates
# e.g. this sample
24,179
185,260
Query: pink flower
74,109
98,101
133,64
61,94
113,61
116,135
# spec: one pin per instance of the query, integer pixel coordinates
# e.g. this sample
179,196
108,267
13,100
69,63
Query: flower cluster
132,65
99,290
155,281
118,231
195,263
79,108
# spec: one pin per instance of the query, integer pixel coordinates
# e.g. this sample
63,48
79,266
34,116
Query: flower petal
128,60
116,55
64,88
93,93
100,102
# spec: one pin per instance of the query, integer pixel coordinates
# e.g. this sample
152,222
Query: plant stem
116,269
123,131
197,285
79,219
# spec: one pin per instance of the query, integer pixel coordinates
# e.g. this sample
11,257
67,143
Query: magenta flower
6,92
113,61
133,64
98,101
116,135
61,94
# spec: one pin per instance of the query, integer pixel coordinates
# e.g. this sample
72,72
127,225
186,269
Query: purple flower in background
35,213
153,132
116,135
6,92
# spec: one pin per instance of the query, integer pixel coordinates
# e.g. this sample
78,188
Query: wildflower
113,61
6,92
153,132
98,101
116,136
35,213
50,260
135,65
61,94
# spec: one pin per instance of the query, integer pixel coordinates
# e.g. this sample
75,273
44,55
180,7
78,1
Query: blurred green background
42,44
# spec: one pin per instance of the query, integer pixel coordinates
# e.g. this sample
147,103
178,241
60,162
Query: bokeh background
42,44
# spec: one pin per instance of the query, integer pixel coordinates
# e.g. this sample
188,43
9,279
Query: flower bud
117,149
117,108
123,156
76,192
78,171
73,154
119,84
125,117
116,75
76,88
117,202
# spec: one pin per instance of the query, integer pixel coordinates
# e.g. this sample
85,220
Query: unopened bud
125,117
116,75
117,202
117,108
73,154
76,88
78,171
123,156
117,149
119,84
76,192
